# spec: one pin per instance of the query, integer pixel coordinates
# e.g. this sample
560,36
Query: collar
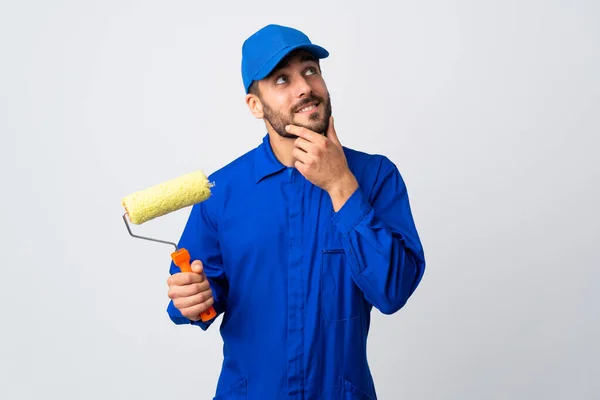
265,162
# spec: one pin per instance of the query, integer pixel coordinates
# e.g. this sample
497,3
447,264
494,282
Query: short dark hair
253,89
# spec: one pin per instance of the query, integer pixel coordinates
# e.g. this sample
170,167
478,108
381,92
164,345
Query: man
300,239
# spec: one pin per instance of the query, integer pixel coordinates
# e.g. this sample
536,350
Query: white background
489,109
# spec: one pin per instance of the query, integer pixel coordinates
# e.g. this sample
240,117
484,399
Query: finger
331,133
183,278
304,144
191,301
177,290
300,155
194,312
314,149
188,290
197,267
303,132
301,167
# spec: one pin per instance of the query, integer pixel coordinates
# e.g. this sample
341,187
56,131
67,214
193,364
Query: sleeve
200,238
380,238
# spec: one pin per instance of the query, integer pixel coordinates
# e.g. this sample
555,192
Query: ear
255,106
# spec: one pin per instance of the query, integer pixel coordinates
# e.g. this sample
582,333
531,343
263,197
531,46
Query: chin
318,125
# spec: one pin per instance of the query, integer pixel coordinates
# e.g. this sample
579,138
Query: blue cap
263,50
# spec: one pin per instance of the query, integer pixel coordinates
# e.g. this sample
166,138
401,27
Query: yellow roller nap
166,197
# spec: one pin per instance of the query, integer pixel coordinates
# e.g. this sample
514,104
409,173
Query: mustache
302,103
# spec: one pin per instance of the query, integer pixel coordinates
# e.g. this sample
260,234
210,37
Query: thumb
331,133
197,267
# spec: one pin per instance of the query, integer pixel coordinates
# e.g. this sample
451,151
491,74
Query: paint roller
161,199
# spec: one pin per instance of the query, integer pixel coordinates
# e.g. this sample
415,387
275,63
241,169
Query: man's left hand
321,160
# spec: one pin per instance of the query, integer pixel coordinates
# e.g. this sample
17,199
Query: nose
301,87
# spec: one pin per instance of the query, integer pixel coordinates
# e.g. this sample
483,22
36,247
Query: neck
282,148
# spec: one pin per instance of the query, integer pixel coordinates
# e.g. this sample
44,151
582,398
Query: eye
311,71
281,79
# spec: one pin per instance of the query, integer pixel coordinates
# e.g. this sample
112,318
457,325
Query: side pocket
351,392
340,297
236,392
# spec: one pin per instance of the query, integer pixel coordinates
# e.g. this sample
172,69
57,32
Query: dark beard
279,120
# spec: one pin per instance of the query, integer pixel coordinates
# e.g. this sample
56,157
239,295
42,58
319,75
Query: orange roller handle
181,258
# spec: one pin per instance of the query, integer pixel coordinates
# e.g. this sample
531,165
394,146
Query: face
295,93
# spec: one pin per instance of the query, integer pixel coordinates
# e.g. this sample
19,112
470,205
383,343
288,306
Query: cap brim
314,49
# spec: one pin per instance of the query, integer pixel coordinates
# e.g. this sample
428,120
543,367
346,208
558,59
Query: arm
200,238
378,232
380,239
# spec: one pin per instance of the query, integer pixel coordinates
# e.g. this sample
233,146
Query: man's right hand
190,292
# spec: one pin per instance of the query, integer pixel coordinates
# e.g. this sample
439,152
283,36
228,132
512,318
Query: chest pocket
341,299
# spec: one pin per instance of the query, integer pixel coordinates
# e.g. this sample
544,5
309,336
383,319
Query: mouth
308,108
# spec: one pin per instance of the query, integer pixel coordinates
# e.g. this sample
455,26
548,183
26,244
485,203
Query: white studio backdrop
489,109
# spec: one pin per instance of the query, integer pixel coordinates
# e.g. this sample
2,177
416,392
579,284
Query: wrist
342,189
